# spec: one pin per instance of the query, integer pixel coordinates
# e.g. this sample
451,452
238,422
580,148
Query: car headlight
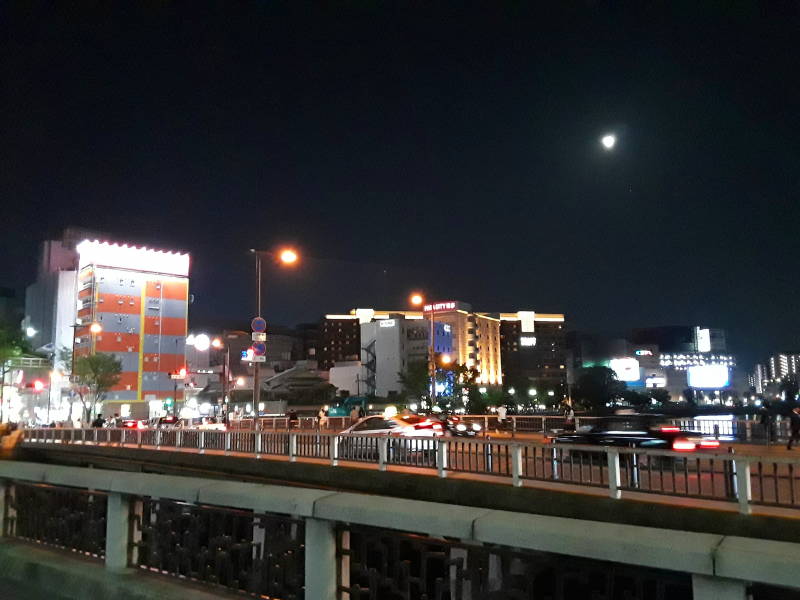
461,427
476,427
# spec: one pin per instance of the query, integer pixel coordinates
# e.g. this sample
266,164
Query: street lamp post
288,257
419,300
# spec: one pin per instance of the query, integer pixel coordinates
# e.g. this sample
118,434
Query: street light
609,141
287,257
418,299
95,328
30,331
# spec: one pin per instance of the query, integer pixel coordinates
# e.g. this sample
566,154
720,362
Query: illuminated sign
526,320
449,305
655,382
708,376
447,328
527,341
627,369
644,353
387,323
121,256
703,337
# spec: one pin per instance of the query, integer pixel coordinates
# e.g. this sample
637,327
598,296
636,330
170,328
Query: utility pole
256,365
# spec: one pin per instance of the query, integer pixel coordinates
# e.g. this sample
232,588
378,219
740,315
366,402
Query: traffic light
168,402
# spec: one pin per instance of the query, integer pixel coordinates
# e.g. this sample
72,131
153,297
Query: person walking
322,418
794,427
354,415
99,421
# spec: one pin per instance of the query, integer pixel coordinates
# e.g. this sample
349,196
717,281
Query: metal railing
748,480
743,430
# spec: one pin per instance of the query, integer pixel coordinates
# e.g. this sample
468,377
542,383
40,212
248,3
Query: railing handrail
726,473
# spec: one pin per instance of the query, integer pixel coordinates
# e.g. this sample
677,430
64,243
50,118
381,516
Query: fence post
117,530
634,458
334,442
441,458
748,430
612,454
716,431
577,423
139,438
158,439
741,479
201,442
95,435
227,442
513,427
320,559
6,514
292,447
554,461
516,465
383,453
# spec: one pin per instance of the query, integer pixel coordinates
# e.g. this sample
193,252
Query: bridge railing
269,541
748,480
743,430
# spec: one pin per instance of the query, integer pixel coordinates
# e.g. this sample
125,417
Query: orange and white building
133,302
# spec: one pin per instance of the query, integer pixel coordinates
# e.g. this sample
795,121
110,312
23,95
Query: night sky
453,150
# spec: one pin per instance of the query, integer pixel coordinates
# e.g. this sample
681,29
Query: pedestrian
322,418
794,426
502,411
569,418
765,418
354,415
114,420
361,413
292,418
99,421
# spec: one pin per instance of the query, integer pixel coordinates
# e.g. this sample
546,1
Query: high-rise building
133,302
783,364
533,355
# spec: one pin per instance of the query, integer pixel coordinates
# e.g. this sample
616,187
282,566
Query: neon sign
449,305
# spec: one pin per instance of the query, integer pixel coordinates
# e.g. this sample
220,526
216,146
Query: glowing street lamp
446,359
609,141
416,299
30,331
288,256
95,328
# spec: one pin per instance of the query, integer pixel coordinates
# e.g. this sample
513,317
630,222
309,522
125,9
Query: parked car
651,432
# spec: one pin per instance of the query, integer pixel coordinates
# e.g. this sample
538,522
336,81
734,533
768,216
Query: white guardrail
748,480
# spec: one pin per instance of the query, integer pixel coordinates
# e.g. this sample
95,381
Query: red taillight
426,424
141,425
670,429
683,446
709,443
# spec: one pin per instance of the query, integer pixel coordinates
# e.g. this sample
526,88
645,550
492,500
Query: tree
661,396
596,387
415,380
94,375
636,400
12,344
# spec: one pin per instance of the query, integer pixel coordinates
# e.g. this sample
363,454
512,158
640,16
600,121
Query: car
399,426
132,424
651,432
167,422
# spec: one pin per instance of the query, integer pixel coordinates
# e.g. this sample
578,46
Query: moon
609,141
